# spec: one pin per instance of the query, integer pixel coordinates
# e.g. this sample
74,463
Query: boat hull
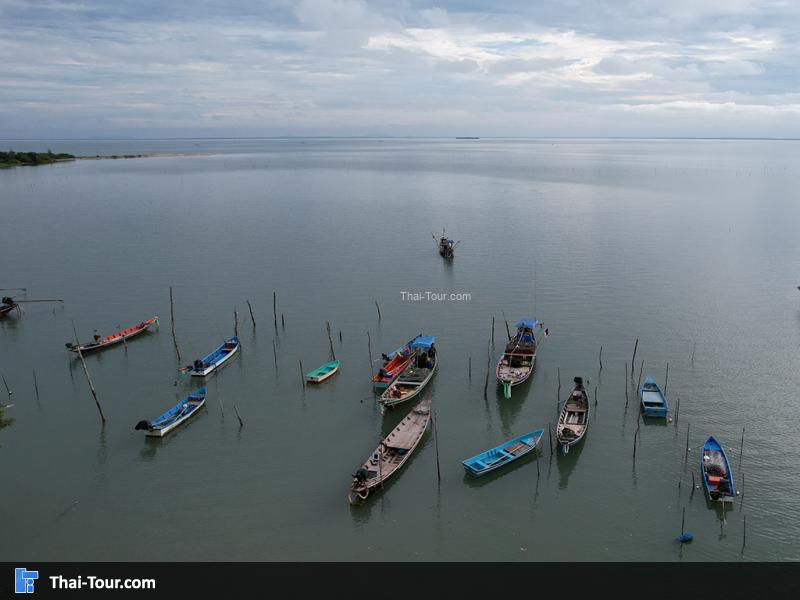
388,402
116,339
217,364
321,378
504,454
716,456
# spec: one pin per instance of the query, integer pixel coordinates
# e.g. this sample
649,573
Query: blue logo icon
23,580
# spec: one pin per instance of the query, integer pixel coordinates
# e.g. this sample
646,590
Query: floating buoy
685,537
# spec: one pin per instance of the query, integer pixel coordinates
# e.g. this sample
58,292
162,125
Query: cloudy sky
153,68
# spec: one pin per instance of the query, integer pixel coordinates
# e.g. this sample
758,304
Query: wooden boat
222,354
654,402
517,362
717,472
392,453
503,454
7,305
114,338
393,364
415,376
574,418
322,373
182,411
445,245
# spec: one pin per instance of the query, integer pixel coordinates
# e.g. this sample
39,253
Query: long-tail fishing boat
445,245
208,364
392,453
653,400
393,364
717,473
503,454
113,339
7,305
413,379
573,421
181,412
519,358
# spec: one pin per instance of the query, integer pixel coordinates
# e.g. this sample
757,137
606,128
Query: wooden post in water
436,444
488,366
340,336
595,397
636,439
677,412
172,322
741,451
693,349
88,378
275,309
550,435
7,388
302,373
235,322
639,385
35,385
686,454
744,533
379,311
508,331
600,358
469,367
369,349
238,416
252,318
283,323
558,393
330,340
275,354
683,520
626,386
492,331
633,360
666,380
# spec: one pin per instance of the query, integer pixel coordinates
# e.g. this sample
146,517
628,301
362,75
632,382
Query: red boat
115,338
394,364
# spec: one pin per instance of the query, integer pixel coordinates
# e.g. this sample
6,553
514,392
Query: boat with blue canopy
415,376
717,473
221,354
517,362
503,454
181,412
654,402
320,374
393,364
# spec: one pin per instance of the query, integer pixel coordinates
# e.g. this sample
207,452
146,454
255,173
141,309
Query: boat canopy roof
422,341
529,323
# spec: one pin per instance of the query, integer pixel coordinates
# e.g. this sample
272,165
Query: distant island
464,137
18,159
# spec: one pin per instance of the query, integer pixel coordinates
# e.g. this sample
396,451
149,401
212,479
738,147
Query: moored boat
413,379
113,339
573,421
654,401
445,245
503,454
221,354
7,304
322,373
519,358
392,453
182,411
394,364
716,472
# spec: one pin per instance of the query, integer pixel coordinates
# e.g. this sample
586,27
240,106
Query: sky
532,68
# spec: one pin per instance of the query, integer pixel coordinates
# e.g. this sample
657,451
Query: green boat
322,373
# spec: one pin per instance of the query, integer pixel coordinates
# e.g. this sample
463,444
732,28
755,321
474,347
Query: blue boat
221,354
517,362
654,402
503,454
182,411
717,472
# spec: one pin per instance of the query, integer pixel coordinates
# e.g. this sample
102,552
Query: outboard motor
7,300
142,425
198,364
578,382
360,476
68,345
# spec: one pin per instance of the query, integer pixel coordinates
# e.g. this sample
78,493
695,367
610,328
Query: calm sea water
689,246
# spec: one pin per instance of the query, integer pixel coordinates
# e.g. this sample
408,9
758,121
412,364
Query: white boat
222,354
182,411
574,418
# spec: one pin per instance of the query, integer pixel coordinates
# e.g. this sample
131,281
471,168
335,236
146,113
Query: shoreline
106,157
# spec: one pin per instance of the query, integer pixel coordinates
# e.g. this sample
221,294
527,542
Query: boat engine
360,477
144,424
199,365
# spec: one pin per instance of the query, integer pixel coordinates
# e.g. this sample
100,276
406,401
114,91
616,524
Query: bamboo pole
436,444
666,380
340,336
633,360
550,436
677,412
693,349
600,358
639,384
741,451
369,349
330,340
172,322
235,322
488,366
470,367
88,378
744,533
35,385
558,394
283,323
275,354
508,331
238,416
686,454
379,310
275,309
595,397
492,331
5,383
683,520
252,317
302,373
626,386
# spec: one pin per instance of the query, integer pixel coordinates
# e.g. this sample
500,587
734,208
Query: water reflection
566,463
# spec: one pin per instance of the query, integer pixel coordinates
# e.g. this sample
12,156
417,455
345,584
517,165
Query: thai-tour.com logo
24,580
